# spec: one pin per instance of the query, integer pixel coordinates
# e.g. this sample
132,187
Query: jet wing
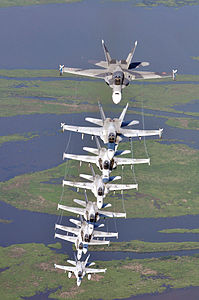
140,133
86,130
96,73
111,214
68,229
118,187
97,234
130,161
81,185
92,271
139,75
65,268
75,210
98,242
71,239
85,158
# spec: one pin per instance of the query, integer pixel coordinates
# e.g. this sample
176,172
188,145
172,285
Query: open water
71,34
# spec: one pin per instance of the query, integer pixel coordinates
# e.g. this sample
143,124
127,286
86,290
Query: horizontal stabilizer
80,202
72,262
114,178
135,65
76,222
122,152
91,150
85,176
129,123
102,64
95,121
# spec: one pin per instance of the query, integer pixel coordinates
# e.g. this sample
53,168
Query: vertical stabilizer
85,194
97,143
86,261
93,172
106,53
131,54
102,114
121,118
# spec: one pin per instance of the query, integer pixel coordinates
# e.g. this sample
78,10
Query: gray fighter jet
85,235
90,210
111,131
98,187
80,269
117,73
106,159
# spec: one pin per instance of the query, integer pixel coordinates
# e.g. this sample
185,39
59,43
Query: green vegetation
180,230
55,245
146,247
57,96
5,221
166,188
7,3
186,123
29,268
141,3
167,3
16,137
195,57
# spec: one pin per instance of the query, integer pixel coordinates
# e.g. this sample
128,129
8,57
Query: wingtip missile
174,72
161,131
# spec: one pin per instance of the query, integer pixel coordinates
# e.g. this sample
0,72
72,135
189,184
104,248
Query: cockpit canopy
106,165
111,138
80,274
86,237
118,78
100,191
117,81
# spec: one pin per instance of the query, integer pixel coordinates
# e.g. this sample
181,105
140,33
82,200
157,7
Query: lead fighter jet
111,131
117,73
80,269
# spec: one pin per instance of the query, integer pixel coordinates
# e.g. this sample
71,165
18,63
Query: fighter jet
80,269
111,131
106,159
85,235
117,73
98,187
90,210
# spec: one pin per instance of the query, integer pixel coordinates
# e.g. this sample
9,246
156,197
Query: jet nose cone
116,96
110,153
